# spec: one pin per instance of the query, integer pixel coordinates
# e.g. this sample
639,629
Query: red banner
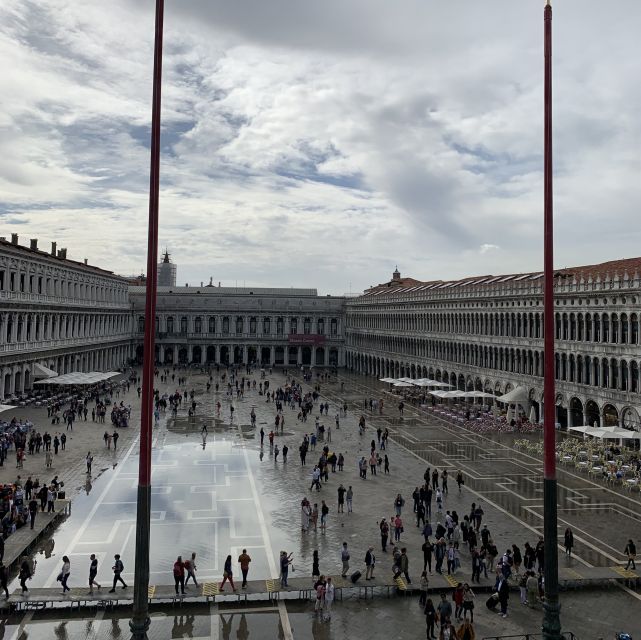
306,339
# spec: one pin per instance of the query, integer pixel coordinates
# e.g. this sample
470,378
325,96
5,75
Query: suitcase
61,495
355,577
492,601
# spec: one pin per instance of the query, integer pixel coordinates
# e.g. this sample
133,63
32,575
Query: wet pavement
219,495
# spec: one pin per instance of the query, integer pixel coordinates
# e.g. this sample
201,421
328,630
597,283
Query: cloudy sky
321,143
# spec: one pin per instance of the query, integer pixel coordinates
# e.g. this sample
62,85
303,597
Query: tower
166,272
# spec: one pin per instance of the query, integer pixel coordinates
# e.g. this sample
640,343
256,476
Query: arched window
606,328
212,324
625,333
170,324
183,324
198,325
141,324
615,328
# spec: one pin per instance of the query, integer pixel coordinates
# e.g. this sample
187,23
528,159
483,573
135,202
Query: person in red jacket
179,574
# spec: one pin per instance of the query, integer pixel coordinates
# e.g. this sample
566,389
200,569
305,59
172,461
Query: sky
320,144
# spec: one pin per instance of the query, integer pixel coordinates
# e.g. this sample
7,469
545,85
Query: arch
197,354
320,356
630,419
610,416
182,355
576,412
211,354
497,388
592,414
307,355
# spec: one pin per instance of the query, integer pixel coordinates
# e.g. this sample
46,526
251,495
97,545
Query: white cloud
320,144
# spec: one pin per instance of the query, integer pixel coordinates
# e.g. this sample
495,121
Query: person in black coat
504,596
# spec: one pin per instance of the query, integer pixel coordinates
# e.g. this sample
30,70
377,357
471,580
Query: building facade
58,313
243,325
486,333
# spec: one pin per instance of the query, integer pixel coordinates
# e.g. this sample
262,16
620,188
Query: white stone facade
487,334
243,325
65,315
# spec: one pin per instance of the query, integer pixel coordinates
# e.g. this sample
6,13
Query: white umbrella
6,407
401,383
389,380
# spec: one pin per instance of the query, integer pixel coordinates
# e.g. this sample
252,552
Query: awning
518,395
40,371
401,383
79,378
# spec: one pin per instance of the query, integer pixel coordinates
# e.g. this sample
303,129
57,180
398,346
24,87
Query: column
217,354
175,354
272,356
14,327
299,358
190,353
161,353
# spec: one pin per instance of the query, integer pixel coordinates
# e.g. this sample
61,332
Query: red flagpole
140,620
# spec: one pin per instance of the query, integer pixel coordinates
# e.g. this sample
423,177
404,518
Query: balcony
18,296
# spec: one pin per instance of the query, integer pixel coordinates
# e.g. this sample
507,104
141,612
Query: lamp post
551,621
139,623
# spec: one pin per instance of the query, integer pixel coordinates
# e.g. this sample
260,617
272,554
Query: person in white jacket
329,598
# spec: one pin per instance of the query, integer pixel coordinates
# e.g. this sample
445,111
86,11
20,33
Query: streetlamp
139,623
551,621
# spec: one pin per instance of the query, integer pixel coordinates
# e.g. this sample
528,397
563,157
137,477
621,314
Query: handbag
59,578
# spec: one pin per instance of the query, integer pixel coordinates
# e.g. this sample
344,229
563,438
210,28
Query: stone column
299,359
175,347
190,353
272,356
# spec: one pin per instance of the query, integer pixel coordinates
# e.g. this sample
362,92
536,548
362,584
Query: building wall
490,337
220,325
62,314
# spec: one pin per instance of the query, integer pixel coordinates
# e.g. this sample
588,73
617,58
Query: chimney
14,238
62,253
53,248
34,243
201,283
86,261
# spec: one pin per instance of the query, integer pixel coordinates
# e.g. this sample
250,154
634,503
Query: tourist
285,561
504,595
117,568
341,498
324,514
51,497
25,574
329,598
89,461
430,618
320,596
468,602
384,529
404,565
370,562
3,579
315,565
466,631
631,552
427,549
568,541
345,560
63,576
244,560
459,480
179,575
349,496
190,568
386,465
398,528
33,511
444,610
227,575
399,503
93,572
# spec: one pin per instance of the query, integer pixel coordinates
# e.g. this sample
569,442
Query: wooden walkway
21,542
297,589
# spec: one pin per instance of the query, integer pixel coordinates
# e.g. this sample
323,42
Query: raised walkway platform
298,589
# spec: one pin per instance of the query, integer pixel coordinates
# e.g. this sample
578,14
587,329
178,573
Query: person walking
631,553
427,549
345,560
384,528
118,568
65,572
227,575
349,496
341,498
25,574
324,514
4,576
244,560
190,568
329,598
430,618
398,528
568,542
404,565
33,511
179,575
315,565
424,586
468,602
89,461
459,480
93,572
370,561
399,503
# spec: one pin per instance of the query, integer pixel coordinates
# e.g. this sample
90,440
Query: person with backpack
118,568
190,568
